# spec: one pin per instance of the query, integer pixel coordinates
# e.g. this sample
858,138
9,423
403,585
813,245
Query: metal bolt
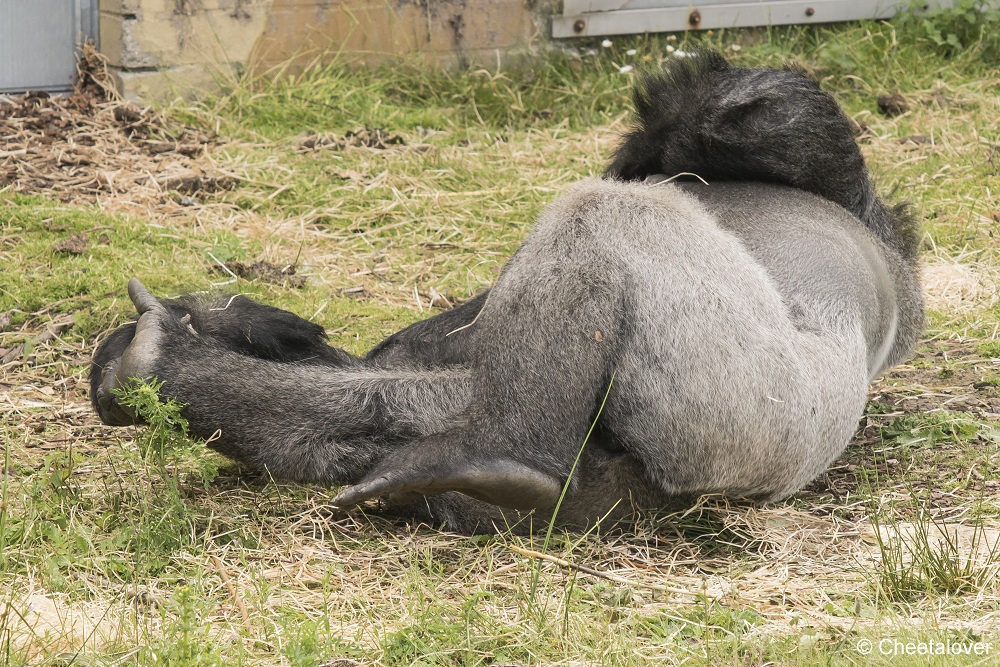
579,25
694,18
810,11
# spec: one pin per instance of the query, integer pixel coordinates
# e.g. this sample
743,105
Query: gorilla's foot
438,464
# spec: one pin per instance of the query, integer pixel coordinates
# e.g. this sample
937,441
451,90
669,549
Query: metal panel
38,42
626,17
572,7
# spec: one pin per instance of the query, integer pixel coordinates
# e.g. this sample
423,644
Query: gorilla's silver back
757,315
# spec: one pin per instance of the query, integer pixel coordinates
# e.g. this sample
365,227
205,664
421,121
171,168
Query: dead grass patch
959,285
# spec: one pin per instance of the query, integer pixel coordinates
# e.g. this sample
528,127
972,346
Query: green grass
129,546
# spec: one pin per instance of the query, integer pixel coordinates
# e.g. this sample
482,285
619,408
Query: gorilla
705,318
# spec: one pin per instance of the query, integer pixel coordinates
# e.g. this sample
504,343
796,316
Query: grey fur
730,330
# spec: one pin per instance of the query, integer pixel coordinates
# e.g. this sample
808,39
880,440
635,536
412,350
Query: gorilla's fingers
132,352
111,411
142,298
155,324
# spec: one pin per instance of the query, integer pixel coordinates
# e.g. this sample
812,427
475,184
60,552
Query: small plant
961,27
931,557
704,621
167,429
989,349
188,640
304,642
989,381
166,440
929,429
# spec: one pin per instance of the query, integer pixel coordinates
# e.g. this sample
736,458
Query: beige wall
163,48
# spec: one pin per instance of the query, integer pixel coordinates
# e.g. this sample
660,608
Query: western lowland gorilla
718,333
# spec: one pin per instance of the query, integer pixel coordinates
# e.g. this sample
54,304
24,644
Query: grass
931,557
118,547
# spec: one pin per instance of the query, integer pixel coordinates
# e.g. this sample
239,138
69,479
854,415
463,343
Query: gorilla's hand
131,352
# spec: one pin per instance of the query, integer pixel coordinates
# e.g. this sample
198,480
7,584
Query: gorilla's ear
438,464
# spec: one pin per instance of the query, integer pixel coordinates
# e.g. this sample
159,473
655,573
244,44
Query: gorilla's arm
256,419
300,421
233,322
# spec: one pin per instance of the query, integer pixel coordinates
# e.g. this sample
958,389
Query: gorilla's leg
300,421
606,487
543,361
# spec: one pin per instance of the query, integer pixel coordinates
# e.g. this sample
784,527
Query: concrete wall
163,48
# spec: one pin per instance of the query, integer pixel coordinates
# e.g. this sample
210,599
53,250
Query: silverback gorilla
722,332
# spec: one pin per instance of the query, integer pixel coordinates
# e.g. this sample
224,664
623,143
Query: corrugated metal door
589,18
39,40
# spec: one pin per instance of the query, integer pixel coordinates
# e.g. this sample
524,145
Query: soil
893,104
87,144
367,137
949,375
75,244
264,271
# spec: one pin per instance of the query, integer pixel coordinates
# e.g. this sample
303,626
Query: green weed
166,429
331,98
989,349
991,381
188,640
934,428
964,26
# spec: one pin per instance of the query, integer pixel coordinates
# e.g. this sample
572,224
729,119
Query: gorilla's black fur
722,330
706,117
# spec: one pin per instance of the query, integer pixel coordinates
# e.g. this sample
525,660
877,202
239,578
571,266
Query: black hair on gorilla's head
703,116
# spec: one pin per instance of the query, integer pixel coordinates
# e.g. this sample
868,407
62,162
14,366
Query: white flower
630,52
625,69
680,54
670,49
735,47
606,43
